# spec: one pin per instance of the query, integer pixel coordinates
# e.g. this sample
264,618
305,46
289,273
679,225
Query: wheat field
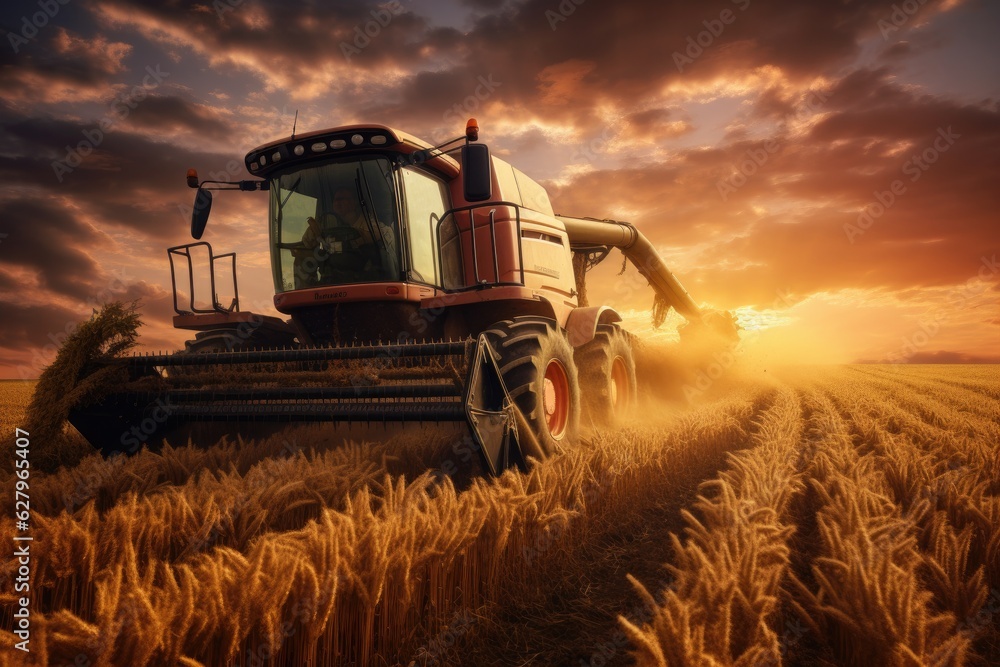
820,516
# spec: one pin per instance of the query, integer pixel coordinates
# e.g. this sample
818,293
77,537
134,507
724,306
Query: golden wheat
851,502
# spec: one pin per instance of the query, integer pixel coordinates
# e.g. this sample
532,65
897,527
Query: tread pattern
594,363
525,345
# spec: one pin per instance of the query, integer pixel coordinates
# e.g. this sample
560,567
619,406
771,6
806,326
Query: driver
342,246
345,205
318,242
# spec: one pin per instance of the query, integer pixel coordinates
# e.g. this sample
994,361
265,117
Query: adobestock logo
37,21
120,109
364,33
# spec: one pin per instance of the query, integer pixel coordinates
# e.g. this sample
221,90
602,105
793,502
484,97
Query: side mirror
199,215
477,172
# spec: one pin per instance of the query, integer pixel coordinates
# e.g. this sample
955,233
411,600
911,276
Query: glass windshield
333,224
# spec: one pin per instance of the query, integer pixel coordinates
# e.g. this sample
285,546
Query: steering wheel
341,233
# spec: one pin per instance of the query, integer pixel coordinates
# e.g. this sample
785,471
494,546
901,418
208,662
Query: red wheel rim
621,388
555,398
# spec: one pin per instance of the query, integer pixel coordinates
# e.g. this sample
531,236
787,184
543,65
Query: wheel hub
620,389
555,398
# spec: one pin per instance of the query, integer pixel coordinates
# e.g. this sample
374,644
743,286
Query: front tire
537,366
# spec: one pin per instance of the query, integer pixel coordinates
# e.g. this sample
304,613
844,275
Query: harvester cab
417,286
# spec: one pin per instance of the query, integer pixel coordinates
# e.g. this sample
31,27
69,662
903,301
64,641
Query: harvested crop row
950,495
564,608
976,400
870,604
983,375
954,503
728,572
946,434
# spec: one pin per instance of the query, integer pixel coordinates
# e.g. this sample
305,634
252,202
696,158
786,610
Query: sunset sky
830,171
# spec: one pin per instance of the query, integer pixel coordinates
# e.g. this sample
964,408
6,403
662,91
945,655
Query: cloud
316,50
67,68
33,325
592,103
165,114
124,179
46,239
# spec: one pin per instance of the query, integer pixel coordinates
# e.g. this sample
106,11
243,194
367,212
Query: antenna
294,122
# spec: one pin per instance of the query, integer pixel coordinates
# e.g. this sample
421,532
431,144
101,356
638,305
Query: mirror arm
247,186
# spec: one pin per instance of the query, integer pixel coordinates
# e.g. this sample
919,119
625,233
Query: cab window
426,201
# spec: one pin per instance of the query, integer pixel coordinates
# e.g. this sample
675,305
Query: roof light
254,166
378,140
263,159
318,147
338,143
276,157
357,139
299,150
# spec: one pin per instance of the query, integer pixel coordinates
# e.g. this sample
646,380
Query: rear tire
607,376
537,366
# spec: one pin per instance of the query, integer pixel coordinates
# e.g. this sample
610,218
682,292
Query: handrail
185,251
479,282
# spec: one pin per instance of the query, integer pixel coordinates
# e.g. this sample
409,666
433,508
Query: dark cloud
484,4
29,326
775,103
66,67
45,239
289,41
104,181
164,113
629,46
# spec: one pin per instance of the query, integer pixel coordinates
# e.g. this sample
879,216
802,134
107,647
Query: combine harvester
420,287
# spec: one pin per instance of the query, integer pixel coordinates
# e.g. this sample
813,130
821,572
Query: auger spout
584,232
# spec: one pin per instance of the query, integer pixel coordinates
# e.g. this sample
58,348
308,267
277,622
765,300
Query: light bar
267,158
